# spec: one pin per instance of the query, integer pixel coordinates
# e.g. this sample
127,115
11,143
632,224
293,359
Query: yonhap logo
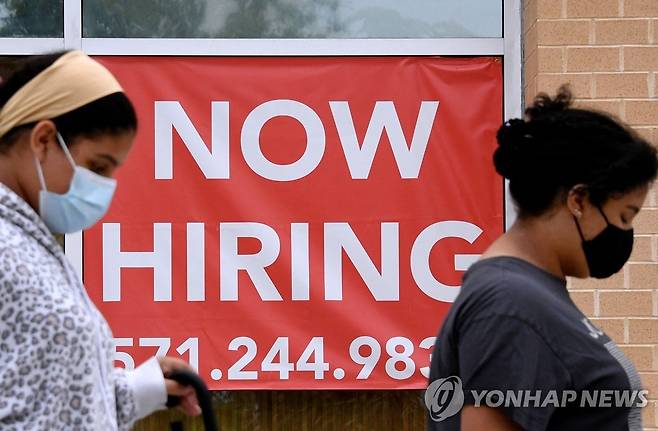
444,398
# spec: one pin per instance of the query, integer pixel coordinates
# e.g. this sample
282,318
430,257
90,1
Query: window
256,28
255,19
32,18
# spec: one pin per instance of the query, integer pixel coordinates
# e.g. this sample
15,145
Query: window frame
508,47
29,45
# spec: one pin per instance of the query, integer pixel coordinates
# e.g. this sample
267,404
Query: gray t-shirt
514,329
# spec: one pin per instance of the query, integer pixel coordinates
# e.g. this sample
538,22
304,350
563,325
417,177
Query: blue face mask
86,202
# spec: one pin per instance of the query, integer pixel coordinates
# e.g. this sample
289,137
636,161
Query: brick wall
608,51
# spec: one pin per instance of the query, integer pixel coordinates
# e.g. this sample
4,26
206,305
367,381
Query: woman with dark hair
578,179
65,127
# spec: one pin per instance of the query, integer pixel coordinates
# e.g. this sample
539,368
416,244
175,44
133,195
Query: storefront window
292,18
31,18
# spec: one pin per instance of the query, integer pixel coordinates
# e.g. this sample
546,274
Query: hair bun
544,105
512,137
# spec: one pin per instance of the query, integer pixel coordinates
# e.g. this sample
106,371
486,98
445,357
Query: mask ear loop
578,189
42,180
66,150
578,227
603,214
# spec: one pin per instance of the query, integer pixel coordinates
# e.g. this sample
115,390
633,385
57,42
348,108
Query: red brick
642,249
592,59
642,112
621,31
625,303
641,58
640,8
580,83
614,282
611,85
641,356
614,328
592,8
643,330
563,32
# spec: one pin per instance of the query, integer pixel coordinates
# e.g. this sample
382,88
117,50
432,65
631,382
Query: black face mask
608,251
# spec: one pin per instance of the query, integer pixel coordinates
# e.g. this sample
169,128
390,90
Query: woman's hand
189,404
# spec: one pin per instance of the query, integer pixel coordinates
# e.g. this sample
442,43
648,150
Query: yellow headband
72,81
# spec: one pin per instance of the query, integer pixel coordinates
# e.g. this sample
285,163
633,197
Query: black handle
189,378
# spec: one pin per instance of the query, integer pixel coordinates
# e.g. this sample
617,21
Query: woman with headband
65,127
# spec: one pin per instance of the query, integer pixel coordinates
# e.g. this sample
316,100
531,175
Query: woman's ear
42,137
576,199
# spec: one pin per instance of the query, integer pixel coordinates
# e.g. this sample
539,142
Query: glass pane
292,18
31,18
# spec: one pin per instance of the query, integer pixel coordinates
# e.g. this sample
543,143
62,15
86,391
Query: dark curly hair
558,147
113,114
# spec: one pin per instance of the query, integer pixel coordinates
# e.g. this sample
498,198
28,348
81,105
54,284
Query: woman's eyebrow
109,159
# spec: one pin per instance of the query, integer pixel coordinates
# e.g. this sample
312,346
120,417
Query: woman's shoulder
509,286
22,257
12,242
10,233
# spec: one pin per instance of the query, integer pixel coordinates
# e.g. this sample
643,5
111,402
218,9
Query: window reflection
292,18
31,18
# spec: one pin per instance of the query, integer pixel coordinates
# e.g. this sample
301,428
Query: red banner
297,223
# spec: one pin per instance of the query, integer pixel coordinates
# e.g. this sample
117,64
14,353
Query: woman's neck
529,241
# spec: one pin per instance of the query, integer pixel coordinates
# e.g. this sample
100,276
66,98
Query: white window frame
508,47
29,45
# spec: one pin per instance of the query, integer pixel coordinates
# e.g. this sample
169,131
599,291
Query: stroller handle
189,378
